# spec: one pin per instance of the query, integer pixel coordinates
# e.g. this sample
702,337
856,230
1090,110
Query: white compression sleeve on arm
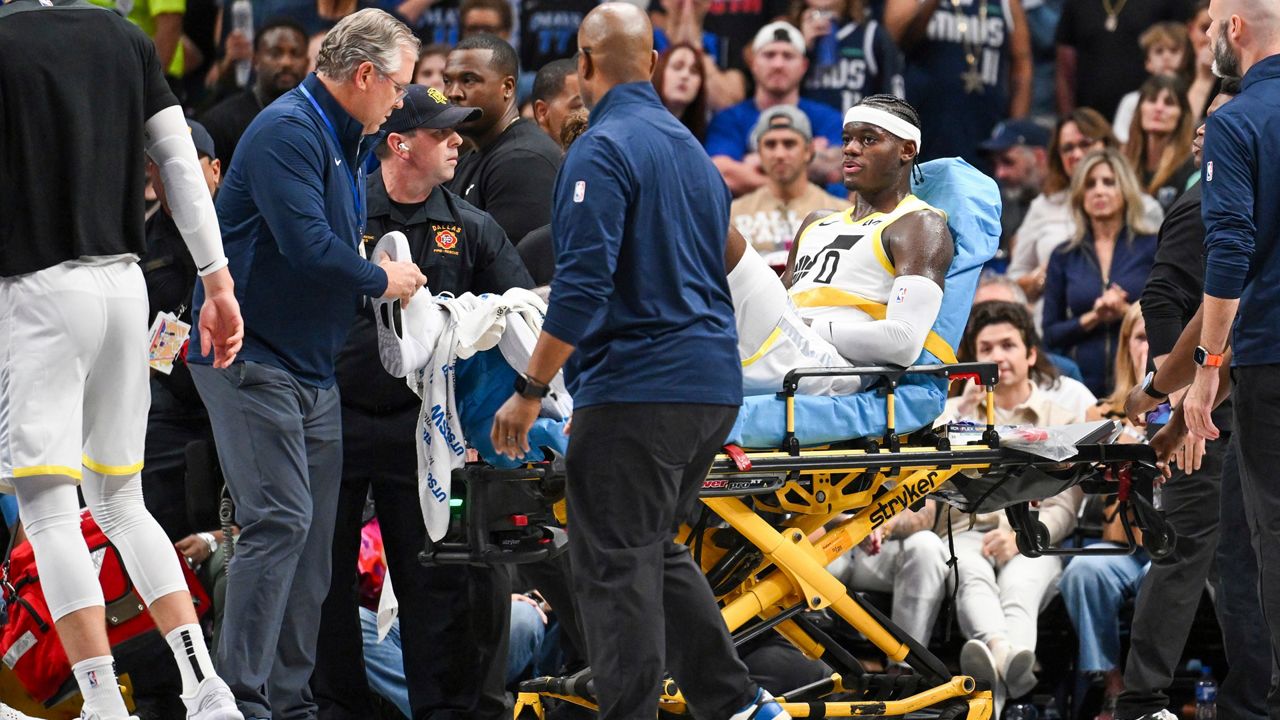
170,146
914,303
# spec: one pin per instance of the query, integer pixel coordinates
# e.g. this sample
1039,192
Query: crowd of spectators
1084,111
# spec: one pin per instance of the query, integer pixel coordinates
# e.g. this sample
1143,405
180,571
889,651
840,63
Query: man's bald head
615,42
1243,32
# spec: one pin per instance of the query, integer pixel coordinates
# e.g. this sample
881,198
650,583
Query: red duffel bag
29,645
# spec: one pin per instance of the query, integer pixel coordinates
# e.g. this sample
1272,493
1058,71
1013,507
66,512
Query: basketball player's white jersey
842,268
842,272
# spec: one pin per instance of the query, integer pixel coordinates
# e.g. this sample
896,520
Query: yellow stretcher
768,574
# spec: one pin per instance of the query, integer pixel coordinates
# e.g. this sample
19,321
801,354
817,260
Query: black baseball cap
1016,132
202,140
426,107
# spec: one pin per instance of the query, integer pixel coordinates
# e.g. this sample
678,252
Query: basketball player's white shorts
74,384
772,337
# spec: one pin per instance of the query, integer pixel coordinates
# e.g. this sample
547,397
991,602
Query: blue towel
482,384
972,203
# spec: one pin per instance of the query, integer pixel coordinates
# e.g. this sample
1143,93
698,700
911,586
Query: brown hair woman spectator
1159,145
681,83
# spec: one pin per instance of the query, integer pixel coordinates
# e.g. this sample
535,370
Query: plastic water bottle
827,48
1206,695
242,21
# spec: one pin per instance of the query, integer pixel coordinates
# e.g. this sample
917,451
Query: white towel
475,324
388,607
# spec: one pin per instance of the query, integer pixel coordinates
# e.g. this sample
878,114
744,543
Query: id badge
168,339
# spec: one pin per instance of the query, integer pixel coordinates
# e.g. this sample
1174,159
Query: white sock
192,655
96,677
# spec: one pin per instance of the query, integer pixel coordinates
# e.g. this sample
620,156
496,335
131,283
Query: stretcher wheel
1025,544
1159,542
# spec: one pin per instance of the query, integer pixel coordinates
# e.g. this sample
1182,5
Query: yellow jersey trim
909,204
833,297
764,347
110,469
37,470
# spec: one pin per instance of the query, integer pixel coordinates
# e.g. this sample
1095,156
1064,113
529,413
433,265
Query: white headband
888,121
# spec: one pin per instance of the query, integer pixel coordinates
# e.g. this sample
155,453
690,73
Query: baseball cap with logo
779,31
426,107
787,117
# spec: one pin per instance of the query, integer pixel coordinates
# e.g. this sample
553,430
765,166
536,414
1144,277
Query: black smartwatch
530,388
1149,387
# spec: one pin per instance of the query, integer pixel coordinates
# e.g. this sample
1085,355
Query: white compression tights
50,512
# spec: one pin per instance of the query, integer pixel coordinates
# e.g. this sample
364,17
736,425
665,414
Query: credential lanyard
356,176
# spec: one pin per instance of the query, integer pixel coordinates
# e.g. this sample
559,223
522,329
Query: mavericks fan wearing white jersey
863,286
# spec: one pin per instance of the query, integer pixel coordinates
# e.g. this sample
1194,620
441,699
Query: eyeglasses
1083,144
401,90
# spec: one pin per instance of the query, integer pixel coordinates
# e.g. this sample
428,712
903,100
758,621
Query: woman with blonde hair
1159,145
1130,368
1107,261
1048,222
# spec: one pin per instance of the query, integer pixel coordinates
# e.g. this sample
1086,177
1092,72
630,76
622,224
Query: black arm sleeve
1176,283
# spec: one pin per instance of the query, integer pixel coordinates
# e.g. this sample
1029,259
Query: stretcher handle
988,374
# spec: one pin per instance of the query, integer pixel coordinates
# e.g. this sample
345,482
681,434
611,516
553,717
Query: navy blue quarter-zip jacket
639,226
1241,210
291,209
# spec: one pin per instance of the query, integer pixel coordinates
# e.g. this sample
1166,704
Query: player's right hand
403,279
221,326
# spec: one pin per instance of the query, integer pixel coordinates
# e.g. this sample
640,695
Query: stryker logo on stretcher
442,424
911,495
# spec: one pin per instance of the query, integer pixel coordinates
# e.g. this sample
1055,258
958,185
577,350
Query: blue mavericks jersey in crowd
961,101
549,30
438,23
865,62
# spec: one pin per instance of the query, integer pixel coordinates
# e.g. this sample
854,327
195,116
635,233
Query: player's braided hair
902,109
893,105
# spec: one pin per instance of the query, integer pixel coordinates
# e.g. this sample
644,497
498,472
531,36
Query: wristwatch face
524,388
1200,355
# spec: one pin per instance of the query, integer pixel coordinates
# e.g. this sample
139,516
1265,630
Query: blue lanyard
356,176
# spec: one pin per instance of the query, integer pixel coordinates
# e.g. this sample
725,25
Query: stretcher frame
768,580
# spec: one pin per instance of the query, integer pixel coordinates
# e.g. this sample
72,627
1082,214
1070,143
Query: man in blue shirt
778,67
1242,270
642,315
292,212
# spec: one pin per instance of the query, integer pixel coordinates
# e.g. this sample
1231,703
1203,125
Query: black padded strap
955,575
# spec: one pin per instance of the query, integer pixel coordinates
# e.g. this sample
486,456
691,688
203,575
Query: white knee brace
149,557
50,513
